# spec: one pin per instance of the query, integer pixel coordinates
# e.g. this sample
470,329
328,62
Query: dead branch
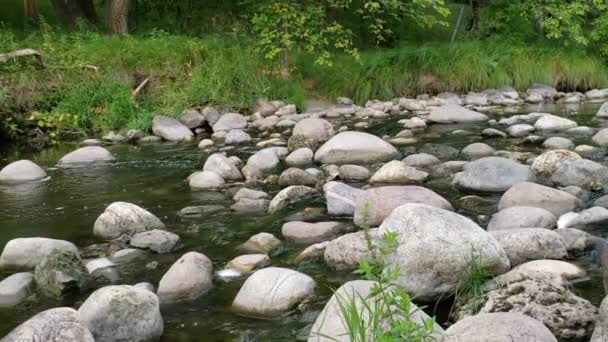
140,87
5,57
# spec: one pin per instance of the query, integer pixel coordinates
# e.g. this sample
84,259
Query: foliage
470,290
56,124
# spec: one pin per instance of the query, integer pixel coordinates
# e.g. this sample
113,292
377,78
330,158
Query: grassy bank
89,77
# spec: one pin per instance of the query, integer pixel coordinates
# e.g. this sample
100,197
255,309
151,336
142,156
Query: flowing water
153,176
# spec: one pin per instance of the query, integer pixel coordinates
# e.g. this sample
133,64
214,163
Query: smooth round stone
558,143
22,171
170,129
499,327
205,143
188,278
15,288
520,130
86,156
478,150
555,267
262,243
307,233
421,160
157,240
353,173
248,262
58,324
205,180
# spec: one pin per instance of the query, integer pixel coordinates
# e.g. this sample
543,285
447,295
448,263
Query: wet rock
587,218
499,327
355,148
288,196
122,313
330,324
229,121
493,133
188,278
15,288
205,143
544,91
493,174
202,180
272,292
86,156
353,173
200,210
245,193
345,252
581,131
548,162
124,218
414,123
308,233
441,151
581,172
596,94
522,217
24,254
114,137
262,163
377,203
192,118
237,137
59,273
421,160
602,201
251,206
222,166
590,152
58,324
553,267
478,150
91,142
535,195
574,239
170,129
248,262
313,251
261,243
520,130
603,111
436,248
398,172
156,240
341,198
550,122
452,113
601,138
317,130
600,333
22,171
527,244
150,139
295,176
558,143
301,157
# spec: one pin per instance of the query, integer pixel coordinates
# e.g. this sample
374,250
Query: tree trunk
475,15
284,63
87,8
118,11
67,11
31,10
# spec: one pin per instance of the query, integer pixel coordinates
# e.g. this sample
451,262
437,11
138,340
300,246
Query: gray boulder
477,150
421,160
558,143
230,121
22,171
203,180
211,115
248,262
452,113
522,217
171,129
499,327
289,195
493,174
124,218
317,130
237,137
309,233
59,273
188,278
262,163
600,333
527,244
587,218
520,130
345,252
223,166
397,172
59,324
24,254
353,173
157,240
245,193
601,138
301,157
86,156
295,176
550,122
15,288
192,118
548,162
355,148
603,111
341,198
262,243
535,195
583,173
251,206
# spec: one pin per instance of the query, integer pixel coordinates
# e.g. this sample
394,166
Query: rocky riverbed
237,227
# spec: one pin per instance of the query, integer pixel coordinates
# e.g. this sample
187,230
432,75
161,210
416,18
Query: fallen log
5,57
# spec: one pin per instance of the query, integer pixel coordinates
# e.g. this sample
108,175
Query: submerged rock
493,174
188,278
60,272
452,113
156,240
24,254
124,218
22,171
222,166
261,243
248,262
289,195
59,324
86,156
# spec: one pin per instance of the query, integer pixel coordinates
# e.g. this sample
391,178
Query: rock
251,206
441,151
377,203
265,108
581,172
436,248
24,254
520,130
59,273
590,152
527,244
15,288
86,156
124,218
452,113
594,216
188,278
262,243
150,139
229,121
237,137
91,142
341,198
170,129
248,262
289,195
602,201
548,162
493,133
156,240
222,166
414,123
555,143
596,94
522,217
355,148
353,173
317,130
493,174
600,333
603,111
535,195
205,143
58,324
114,137
272,292
192,118
245,193
554,267
550,122
345,252
122,313
301,157
22,171
312,251
308,233
574,239
286,110
397,172
202,180
421,160
262,163
330,324
478,150
499,327
601,138
295,176
544,91
476,99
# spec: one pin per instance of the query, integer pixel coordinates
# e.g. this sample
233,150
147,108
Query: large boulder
289,195
550,122
603,111
377,203
594,216
345,252
452,113
499,327
535,195
528,244
171,129
86,156
15,288
188,278
122,313
22,171
437,247
357,294
317,130
601,138
341,198
583,173
522,217
24,254
230,121
398,172
600,333
548,162
355,148
493,174
272,292
223,166
124,218
204,180
192,118
59,324
59,273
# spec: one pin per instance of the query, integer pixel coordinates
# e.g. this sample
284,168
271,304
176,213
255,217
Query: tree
31,10
117,16
70,10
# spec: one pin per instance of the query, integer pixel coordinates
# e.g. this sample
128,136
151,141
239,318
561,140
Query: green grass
470,290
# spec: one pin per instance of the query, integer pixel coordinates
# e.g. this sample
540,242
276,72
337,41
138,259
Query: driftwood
140,87
5,57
